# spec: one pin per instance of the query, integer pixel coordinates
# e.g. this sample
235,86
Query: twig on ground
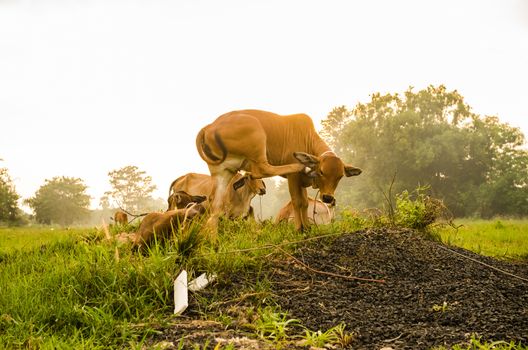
273,246
353,278
484,264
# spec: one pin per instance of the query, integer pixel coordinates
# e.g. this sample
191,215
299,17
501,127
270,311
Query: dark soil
431,295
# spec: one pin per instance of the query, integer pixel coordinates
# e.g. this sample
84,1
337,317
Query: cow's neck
318,147
329,152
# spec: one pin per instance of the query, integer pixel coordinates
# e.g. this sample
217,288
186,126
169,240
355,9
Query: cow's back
193,183
285,134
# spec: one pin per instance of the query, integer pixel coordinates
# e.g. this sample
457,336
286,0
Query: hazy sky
91,86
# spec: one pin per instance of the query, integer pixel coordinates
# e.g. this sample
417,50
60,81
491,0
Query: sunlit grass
502,238
73,293
69,288
27,238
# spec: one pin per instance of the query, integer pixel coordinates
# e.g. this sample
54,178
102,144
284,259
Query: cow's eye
321,172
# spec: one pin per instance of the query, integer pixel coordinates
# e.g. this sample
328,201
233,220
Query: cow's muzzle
328,199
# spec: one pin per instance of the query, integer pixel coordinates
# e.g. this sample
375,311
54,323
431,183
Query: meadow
71,288
500,238
28,238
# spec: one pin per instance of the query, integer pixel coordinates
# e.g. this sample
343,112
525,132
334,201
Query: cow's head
254,186
326,171
257,186
180,199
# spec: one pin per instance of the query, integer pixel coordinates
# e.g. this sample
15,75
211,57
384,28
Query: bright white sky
91,86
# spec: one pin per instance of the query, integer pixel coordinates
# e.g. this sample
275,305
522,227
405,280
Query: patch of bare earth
431,294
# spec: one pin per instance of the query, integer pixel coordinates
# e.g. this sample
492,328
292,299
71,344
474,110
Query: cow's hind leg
221,178
264,169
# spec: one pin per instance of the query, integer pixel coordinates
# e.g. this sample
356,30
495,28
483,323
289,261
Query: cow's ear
306,159
198,199
352,171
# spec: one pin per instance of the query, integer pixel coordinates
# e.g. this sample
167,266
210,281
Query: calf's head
326,171
251,186
181,199
256,186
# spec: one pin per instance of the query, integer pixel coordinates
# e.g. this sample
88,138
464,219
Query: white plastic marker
201,282
181,294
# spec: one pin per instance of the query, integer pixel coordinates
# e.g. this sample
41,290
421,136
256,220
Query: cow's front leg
299,197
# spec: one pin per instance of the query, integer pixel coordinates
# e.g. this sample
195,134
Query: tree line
63,200
430,138
475,164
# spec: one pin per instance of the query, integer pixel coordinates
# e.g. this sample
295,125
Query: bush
417,210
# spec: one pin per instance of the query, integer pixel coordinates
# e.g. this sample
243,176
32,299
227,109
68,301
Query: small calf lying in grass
161,225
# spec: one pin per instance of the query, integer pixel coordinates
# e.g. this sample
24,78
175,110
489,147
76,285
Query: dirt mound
431,295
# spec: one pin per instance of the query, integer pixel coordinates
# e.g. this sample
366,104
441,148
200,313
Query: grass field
501,238
27,238
69,289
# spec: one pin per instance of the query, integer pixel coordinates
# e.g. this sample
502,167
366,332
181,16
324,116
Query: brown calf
161,225
120,218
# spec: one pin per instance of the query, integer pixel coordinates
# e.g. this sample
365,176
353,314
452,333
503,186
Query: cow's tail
205,151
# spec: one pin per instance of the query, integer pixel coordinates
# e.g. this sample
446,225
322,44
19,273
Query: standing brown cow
267,144
120,218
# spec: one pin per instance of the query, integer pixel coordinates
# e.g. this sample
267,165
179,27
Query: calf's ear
198,199
306,159
352,171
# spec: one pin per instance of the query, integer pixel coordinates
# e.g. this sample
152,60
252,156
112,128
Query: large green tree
430,137
9,211
61,200
131,189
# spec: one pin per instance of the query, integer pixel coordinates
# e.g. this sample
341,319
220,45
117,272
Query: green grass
75,292
501,238
476,344
69,288
27,238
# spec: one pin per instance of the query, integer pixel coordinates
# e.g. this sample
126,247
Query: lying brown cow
237,202
120,218
161,224
318,212
267,144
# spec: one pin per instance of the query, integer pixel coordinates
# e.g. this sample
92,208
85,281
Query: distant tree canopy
9,211
475,164
131,189
61,200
